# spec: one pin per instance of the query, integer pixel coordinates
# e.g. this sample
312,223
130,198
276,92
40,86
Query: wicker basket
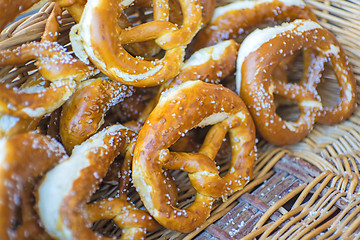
307,190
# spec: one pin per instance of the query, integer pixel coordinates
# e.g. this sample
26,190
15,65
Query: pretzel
61,204
103,42
180,109
238,19
254,83
211,64
83,114
19,168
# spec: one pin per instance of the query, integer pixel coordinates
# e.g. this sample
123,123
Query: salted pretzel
189,105
257,89
54,63
83,114
62,204
10,9
238,19
19,169
103,43
211,64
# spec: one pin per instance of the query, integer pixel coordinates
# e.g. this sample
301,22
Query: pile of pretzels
143,91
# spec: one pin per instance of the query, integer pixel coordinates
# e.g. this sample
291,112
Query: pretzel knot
19,168
256,87
100,35
180,109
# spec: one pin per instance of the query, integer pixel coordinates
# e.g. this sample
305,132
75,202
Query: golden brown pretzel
210,64
256,87
61,203
83,114
180,109
54,64
19,167
103,42
236,20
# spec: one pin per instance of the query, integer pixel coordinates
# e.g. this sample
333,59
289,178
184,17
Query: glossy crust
134,223
83,114
62,203
236,20
210,64
54,64
180,109
256,87
101,37
19,167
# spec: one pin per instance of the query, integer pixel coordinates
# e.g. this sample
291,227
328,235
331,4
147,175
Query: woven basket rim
329,152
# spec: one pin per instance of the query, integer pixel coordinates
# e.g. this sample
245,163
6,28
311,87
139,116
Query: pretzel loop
178,111
255,85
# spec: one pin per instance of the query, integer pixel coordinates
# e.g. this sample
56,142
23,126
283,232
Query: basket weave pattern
308,190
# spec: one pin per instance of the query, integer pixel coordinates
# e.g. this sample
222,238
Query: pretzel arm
213,140
83,114
161,10
191,25
189,162
347,83
27,104
149,31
